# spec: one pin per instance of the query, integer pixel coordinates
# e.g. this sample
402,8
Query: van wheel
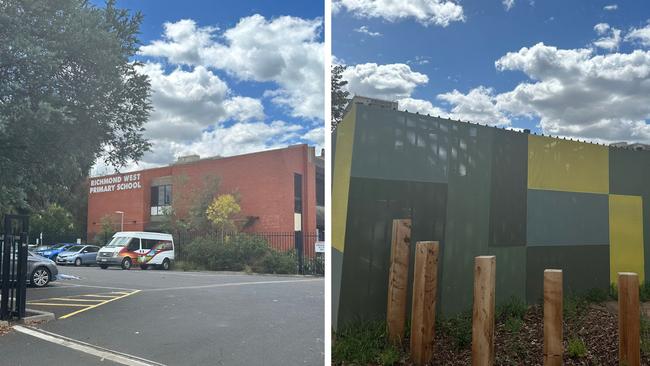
103,266
126,263
143,267
77,262
165,264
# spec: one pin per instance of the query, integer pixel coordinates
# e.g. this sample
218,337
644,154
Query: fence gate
13,267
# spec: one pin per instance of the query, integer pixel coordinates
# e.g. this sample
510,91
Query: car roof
142,235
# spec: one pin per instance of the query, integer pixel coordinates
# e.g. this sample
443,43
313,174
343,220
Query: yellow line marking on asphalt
102,296
72,299
97,305
54,304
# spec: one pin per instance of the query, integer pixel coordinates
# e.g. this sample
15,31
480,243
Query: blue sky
225,77
461,55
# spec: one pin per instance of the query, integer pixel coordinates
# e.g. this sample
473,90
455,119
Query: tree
222,211
68,95
56,224
107,230
339,95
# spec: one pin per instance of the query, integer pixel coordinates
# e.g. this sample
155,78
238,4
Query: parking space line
100,352
102,296
73,299
54,304
99,304
228,285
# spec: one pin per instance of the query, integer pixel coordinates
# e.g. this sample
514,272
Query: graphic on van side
148,256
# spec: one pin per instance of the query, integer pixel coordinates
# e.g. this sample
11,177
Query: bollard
423,313
553,347
398,280
483,311
629,319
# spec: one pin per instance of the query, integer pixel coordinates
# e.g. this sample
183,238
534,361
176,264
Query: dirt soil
597,327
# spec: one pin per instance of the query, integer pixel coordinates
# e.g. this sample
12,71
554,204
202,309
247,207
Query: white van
131,248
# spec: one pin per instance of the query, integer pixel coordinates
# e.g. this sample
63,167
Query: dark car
40,270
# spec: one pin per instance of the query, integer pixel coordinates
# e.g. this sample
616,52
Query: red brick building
280,191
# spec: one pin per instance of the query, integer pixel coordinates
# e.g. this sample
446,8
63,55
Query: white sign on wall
319,247
122,182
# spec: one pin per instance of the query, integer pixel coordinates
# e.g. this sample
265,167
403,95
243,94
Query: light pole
122,221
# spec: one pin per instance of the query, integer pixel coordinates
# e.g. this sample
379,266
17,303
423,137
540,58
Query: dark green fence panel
374,203
468,211
400,146
584,267
508,189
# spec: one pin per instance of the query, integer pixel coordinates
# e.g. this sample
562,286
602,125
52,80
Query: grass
363,343
576,348
513,325
513,308
645,335
458,328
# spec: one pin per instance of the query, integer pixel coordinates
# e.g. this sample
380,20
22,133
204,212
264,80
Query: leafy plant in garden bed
238,252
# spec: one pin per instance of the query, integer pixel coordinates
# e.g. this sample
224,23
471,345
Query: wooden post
553,347
423,313
398,280
629,320
483,312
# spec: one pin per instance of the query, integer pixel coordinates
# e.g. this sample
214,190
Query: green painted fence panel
374,203
567,218
508,189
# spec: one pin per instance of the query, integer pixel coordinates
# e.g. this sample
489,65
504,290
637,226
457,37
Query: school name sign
123,182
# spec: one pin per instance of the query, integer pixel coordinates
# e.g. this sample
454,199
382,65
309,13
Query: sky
228,80
578,69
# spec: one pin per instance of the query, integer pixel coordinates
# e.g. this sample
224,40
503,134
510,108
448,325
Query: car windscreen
119,241
57,246
74,248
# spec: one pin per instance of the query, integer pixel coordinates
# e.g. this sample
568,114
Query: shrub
574,307
644,292
596,295
240,252
513,308
278,262
514,325
389,356
576,348
645,335
459,329
360,343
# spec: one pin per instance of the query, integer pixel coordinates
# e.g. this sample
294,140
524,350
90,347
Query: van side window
165,245
148,243
134,245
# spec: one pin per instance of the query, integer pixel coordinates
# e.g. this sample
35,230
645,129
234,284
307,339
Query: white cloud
421,106
426,12
611,7
390,82
316,137
611,37
478,106
578,93
284,50
508,4
639,35
364,29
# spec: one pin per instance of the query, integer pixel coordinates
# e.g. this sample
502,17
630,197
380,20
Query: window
297,193
92,249
134,245
148,243
161,199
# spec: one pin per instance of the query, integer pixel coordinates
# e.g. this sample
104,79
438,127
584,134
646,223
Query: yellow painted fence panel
341,178
571,166
625,236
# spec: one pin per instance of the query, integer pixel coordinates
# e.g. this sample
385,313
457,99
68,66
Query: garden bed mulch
596,326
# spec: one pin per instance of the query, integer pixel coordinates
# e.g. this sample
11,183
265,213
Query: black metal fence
301,245
13,267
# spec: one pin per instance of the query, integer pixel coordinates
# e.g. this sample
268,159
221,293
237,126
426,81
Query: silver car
78,255
40,270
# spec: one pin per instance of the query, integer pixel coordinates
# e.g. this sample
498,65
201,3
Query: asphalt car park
158,317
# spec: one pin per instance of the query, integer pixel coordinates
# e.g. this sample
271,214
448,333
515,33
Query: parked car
129,248
54,250
78,255
40,270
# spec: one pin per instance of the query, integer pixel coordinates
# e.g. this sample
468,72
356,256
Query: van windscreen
119,241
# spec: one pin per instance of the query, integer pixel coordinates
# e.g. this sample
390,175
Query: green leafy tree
69,95
339,95
107,230
55,222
